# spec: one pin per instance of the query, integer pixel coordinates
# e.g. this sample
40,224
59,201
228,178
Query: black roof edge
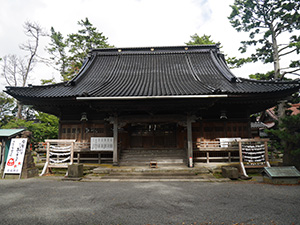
155,48
34,86
218,63
85,66
296,81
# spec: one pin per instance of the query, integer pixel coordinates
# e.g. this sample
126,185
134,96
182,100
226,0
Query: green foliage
287,137
69,53
263,76
206,40
47,81
44,126
6,107
57,50
266,21
203,40
236,63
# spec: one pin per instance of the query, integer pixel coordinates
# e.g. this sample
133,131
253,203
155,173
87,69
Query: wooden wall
220,129
83,132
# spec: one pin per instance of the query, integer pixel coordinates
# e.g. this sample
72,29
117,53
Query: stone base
71,179
30,172
75,170
230,172
26,173
288,180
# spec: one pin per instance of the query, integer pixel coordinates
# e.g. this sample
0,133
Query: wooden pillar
115,151
189,139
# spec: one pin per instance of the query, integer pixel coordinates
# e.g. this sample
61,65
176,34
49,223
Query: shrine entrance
153,135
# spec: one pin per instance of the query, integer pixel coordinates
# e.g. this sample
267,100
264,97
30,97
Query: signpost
15,158
102,143
253,154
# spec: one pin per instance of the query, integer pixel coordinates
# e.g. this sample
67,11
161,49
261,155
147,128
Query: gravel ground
50,201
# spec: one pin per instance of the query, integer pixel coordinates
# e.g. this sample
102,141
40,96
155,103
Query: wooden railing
227,150
82,153
217,150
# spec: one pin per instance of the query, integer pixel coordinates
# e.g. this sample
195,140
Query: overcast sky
126,23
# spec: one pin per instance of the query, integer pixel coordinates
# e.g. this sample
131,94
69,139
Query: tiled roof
153,71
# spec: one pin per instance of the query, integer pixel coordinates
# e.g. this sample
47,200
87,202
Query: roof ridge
297,81
158,47
37,86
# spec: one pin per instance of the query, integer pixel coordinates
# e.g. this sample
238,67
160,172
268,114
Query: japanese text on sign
102,144
15,156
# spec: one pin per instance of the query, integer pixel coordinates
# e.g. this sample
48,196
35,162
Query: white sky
126,23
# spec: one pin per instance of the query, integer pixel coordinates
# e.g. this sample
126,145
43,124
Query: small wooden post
115,151
72,153
78,157
229,157
189,138
241,159
99,158
207,157
266,153
48,156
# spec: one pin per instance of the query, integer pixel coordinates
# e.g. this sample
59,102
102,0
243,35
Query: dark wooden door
153,135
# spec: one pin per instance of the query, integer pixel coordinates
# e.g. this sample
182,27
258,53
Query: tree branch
292,72
287,52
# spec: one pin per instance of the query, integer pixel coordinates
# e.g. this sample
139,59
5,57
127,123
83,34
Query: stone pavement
48,200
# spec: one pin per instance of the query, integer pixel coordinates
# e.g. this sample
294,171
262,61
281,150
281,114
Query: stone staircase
143,157
144,173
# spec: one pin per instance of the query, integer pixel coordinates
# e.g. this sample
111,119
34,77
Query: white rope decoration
59,149
60,161
254,153
60,154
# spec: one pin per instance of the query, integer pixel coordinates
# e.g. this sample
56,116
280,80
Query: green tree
267,21
43,126
69,53
57,50
7,105
287,139
203,40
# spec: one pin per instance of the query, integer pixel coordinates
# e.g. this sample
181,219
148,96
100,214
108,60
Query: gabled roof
154,71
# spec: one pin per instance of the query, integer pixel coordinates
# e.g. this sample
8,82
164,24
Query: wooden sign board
15,158
253,154
102,144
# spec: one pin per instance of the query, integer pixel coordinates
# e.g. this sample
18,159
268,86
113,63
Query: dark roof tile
153,71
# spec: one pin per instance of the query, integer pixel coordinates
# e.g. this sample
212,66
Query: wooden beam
115,151
189,139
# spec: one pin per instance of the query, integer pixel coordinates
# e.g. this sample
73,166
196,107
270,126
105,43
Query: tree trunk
275,54
281,105
20,108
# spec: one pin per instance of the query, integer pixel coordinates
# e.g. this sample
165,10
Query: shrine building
158,99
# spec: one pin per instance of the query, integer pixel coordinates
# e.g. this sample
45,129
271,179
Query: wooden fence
216,150
82,153
232,150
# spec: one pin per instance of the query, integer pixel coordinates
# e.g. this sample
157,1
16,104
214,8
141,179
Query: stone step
152,151
147,170
158,157
142,157
147,174
151,177
156,160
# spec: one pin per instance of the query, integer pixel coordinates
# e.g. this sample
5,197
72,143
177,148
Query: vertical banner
15,158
